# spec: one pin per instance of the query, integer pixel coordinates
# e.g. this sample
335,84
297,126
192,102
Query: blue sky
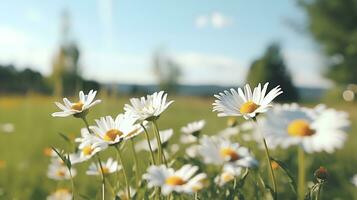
214,41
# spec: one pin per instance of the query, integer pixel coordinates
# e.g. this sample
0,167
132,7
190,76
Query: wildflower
89,145
77,109
60,194
191,131
246,104
321,174
123,195
108,167
149,108
354,180
315,130
58,171
114,131
220,151
183,180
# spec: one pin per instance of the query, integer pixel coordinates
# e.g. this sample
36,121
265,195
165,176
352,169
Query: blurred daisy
7,127
221,151
192,151
315,130
354,180
228,132
58,171
229,173
165,136
123,195
183,180
109,167
191,131
89,145
76,109
246,104
60,194
113,131
149,108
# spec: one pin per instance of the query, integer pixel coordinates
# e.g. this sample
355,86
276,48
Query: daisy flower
228,132
89,145
228,174
316,130
123,195
114,131
61,194
149,108
247,104
183,180
79,108
109,167
354,180
191,131
221,151
58,171
165,136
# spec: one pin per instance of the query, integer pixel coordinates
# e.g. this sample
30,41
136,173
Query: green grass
24,174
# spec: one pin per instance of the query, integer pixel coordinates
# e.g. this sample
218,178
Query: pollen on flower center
87,150
227,177
105,170
77,106
174,180
248,107
300,128
61,173
229,152
112,134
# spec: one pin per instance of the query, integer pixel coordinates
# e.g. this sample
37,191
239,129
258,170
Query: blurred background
51,49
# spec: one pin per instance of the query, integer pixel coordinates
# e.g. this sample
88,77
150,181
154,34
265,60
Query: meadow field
23,164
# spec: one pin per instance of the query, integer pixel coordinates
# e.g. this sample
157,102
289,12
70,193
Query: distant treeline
14,81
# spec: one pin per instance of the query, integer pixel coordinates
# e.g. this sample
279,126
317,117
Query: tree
271,68
168,72
333,24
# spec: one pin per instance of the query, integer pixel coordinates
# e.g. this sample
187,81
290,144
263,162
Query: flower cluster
198,166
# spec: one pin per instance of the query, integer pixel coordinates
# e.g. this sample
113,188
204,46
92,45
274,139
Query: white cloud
215,20
200,68
306,68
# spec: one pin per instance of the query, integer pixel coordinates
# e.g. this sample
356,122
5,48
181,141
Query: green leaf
64,137
284,167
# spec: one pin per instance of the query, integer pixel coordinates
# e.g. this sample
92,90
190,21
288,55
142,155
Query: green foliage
333,25
271,68
14,81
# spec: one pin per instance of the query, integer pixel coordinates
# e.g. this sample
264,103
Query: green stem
72,183
125,175
148,140
137,172
103,177
86,123
301,173
270,168
158,139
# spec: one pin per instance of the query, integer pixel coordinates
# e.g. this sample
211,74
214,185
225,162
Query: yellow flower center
61,173
248,107
77,106
105,170
87,150
226,177
112,134
300,128
174,181
274,165
229,152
